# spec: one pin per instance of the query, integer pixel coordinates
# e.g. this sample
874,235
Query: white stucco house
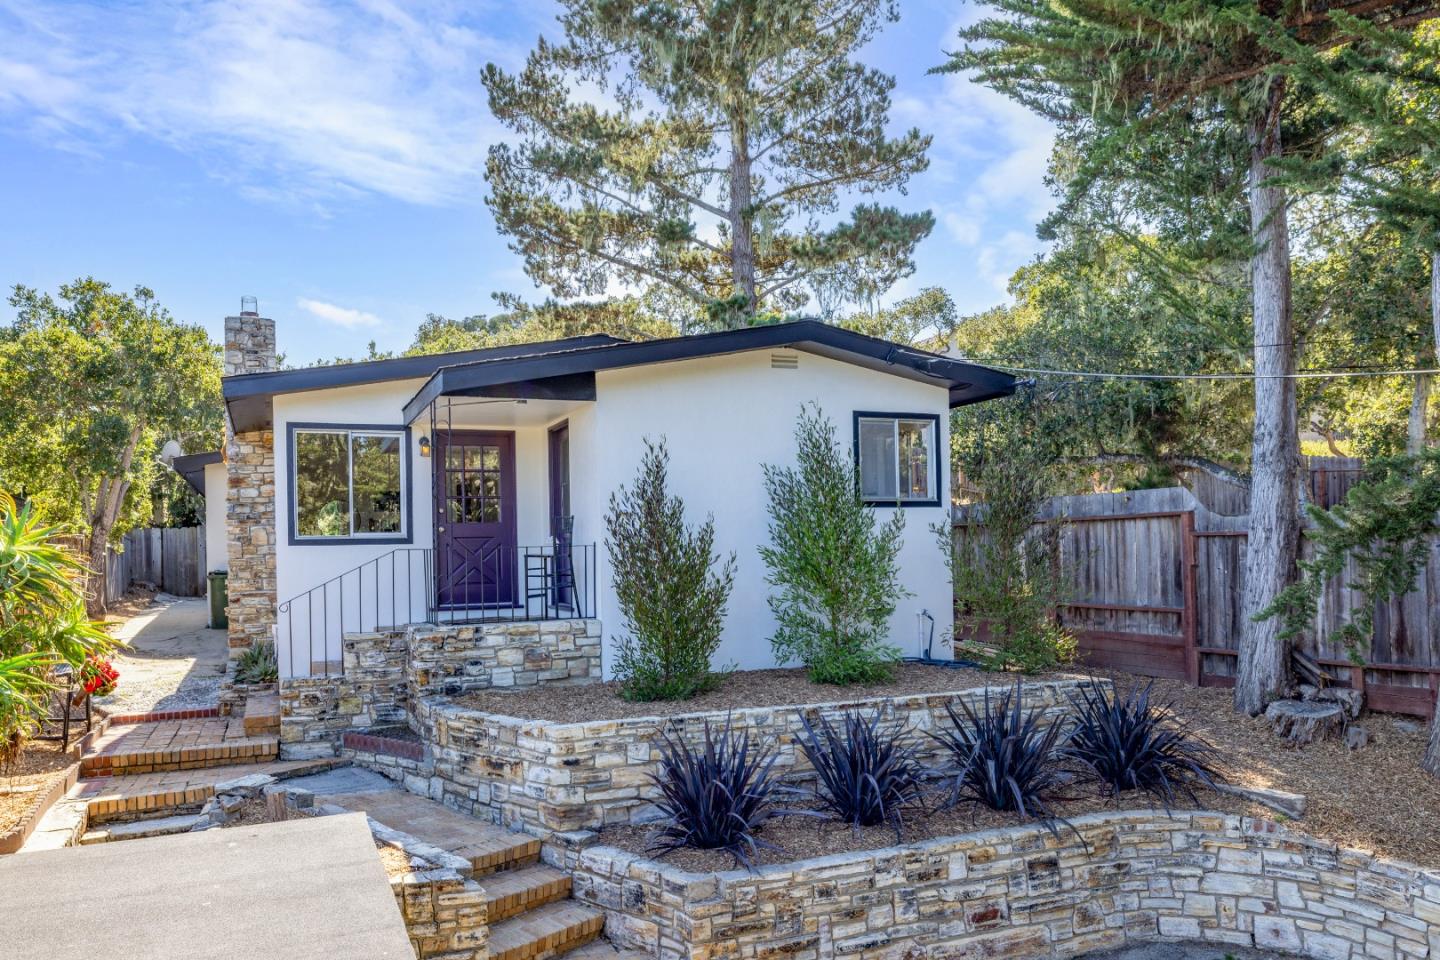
472,487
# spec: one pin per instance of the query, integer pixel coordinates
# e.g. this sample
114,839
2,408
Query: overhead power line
1232,375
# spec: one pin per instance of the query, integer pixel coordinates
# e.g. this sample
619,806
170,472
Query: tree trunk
742,237
96,549
1431,763
1274,530
1419,401
105,512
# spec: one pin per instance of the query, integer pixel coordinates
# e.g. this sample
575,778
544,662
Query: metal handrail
400,588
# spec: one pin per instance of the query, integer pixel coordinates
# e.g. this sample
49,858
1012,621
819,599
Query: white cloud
347,317
295,99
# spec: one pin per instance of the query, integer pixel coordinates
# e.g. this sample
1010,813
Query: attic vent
784,361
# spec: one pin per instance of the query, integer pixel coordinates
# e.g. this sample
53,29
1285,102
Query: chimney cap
249,307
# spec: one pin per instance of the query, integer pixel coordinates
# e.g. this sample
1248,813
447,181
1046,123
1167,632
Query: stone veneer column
250,499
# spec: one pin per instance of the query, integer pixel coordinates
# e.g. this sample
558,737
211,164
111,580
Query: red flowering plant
98,676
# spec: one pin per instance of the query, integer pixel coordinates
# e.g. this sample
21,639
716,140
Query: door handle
439,529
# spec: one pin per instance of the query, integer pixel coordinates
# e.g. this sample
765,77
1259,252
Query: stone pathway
173,662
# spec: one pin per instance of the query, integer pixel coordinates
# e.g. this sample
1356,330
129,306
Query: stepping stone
512,892
546,932
262,715
176,745
488,848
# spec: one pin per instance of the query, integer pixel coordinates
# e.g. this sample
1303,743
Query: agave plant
258,664
1131,743
867,774
1004,757
716,796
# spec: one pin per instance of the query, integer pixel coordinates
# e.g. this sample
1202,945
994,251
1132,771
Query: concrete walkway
173,662
301,890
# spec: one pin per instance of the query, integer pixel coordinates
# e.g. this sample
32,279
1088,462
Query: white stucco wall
723,417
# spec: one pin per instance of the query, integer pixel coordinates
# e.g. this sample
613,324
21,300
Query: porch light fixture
425,447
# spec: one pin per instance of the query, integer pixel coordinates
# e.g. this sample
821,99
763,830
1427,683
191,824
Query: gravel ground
745,688
1187,951
172,661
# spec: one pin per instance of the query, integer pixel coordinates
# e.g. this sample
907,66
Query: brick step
488,848
176,745
262,715
548,931
512,892
173,791
602,949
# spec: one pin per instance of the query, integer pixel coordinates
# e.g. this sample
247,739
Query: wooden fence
1158,581
172,559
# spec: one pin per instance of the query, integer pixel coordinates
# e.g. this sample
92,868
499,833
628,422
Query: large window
348,483
897,458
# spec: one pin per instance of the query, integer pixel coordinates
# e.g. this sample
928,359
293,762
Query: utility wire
1237,375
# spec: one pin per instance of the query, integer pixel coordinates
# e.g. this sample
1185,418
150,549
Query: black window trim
407,513
938,472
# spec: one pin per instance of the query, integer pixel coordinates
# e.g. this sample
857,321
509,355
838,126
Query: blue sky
328,158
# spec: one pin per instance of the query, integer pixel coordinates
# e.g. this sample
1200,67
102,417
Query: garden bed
739,690
806,837
30,785
546,776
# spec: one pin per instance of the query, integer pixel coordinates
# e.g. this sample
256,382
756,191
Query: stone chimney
249,341
250,500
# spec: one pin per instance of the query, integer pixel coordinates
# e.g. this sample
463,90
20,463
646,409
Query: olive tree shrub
671,586
831,562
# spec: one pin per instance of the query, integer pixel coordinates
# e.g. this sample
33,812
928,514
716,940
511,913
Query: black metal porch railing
405,587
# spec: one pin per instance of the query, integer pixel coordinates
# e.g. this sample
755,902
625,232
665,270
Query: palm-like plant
1131,743
1004,757
42,618
868,775
715,797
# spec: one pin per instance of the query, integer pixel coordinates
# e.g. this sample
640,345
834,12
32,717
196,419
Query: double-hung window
348,483
897,458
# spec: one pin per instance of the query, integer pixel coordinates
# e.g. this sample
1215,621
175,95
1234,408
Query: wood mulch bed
741,689
1376,798
801,837
40,764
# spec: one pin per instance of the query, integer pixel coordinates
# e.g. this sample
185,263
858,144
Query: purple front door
475,553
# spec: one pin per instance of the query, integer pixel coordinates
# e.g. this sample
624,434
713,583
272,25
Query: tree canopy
707,149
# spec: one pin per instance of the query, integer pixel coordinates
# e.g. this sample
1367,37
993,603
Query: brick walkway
176,744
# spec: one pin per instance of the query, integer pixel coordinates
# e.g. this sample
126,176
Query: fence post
1188,624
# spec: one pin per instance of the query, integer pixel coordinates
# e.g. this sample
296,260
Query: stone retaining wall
455,660
544,777
384,671
1024,892
445,914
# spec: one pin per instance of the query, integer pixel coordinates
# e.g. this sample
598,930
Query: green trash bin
218,599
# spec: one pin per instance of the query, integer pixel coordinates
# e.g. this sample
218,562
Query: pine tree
1162,91
699,146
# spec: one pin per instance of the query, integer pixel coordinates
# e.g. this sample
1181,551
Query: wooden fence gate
170,558
1158,581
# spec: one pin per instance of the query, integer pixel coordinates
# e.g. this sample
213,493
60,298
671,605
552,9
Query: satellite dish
170,451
